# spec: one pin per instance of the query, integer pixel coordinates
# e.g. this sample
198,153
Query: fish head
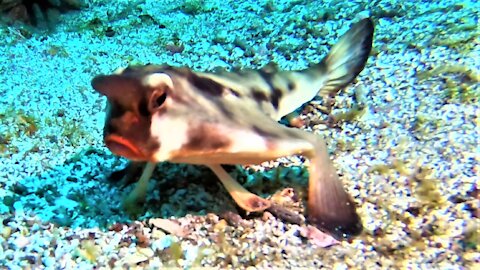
161,113
131,104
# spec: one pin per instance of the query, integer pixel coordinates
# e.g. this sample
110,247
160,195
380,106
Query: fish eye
157,100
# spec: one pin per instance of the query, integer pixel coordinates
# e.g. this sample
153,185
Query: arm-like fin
244,198
134,202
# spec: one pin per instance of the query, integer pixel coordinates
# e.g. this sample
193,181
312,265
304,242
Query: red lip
123,147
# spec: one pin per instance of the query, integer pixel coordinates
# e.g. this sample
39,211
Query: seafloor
406,140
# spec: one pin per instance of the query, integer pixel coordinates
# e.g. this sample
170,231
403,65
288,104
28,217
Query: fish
158,113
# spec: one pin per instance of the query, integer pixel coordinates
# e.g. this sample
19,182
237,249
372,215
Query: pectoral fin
134,202
244,198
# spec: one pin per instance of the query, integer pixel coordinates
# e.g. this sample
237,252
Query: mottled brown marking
124,90
262,131
206,138
257,204
205,85
291,86
275,98
270,67
259,96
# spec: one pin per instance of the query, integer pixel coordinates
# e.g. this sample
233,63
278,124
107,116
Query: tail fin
347,58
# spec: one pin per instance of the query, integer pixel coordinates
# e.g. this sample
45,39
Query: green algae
20,123
195,7
461,84
459,36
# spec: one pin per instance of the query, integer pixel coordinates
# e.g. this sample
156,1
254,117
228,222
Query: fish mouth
123,147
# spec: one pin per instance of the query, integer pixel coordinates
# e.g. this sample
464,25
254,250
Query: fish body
164,113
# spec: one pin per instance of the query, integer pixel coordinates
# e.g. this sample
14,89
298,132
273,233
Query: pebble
21,242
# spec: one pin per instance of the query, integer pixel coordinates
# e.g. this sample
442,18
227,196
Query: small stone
6,232
267,216
142,240
146,251
134,259
169,226
220,226
117,227
389,97
163,243
157,233
109,32
48,262
21,242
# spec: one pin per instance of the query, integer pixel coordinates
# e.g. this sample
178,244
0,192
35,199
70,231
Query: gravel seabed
411,160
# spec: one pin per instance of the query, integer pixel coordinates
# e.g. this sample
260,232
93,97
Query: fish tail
347,58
